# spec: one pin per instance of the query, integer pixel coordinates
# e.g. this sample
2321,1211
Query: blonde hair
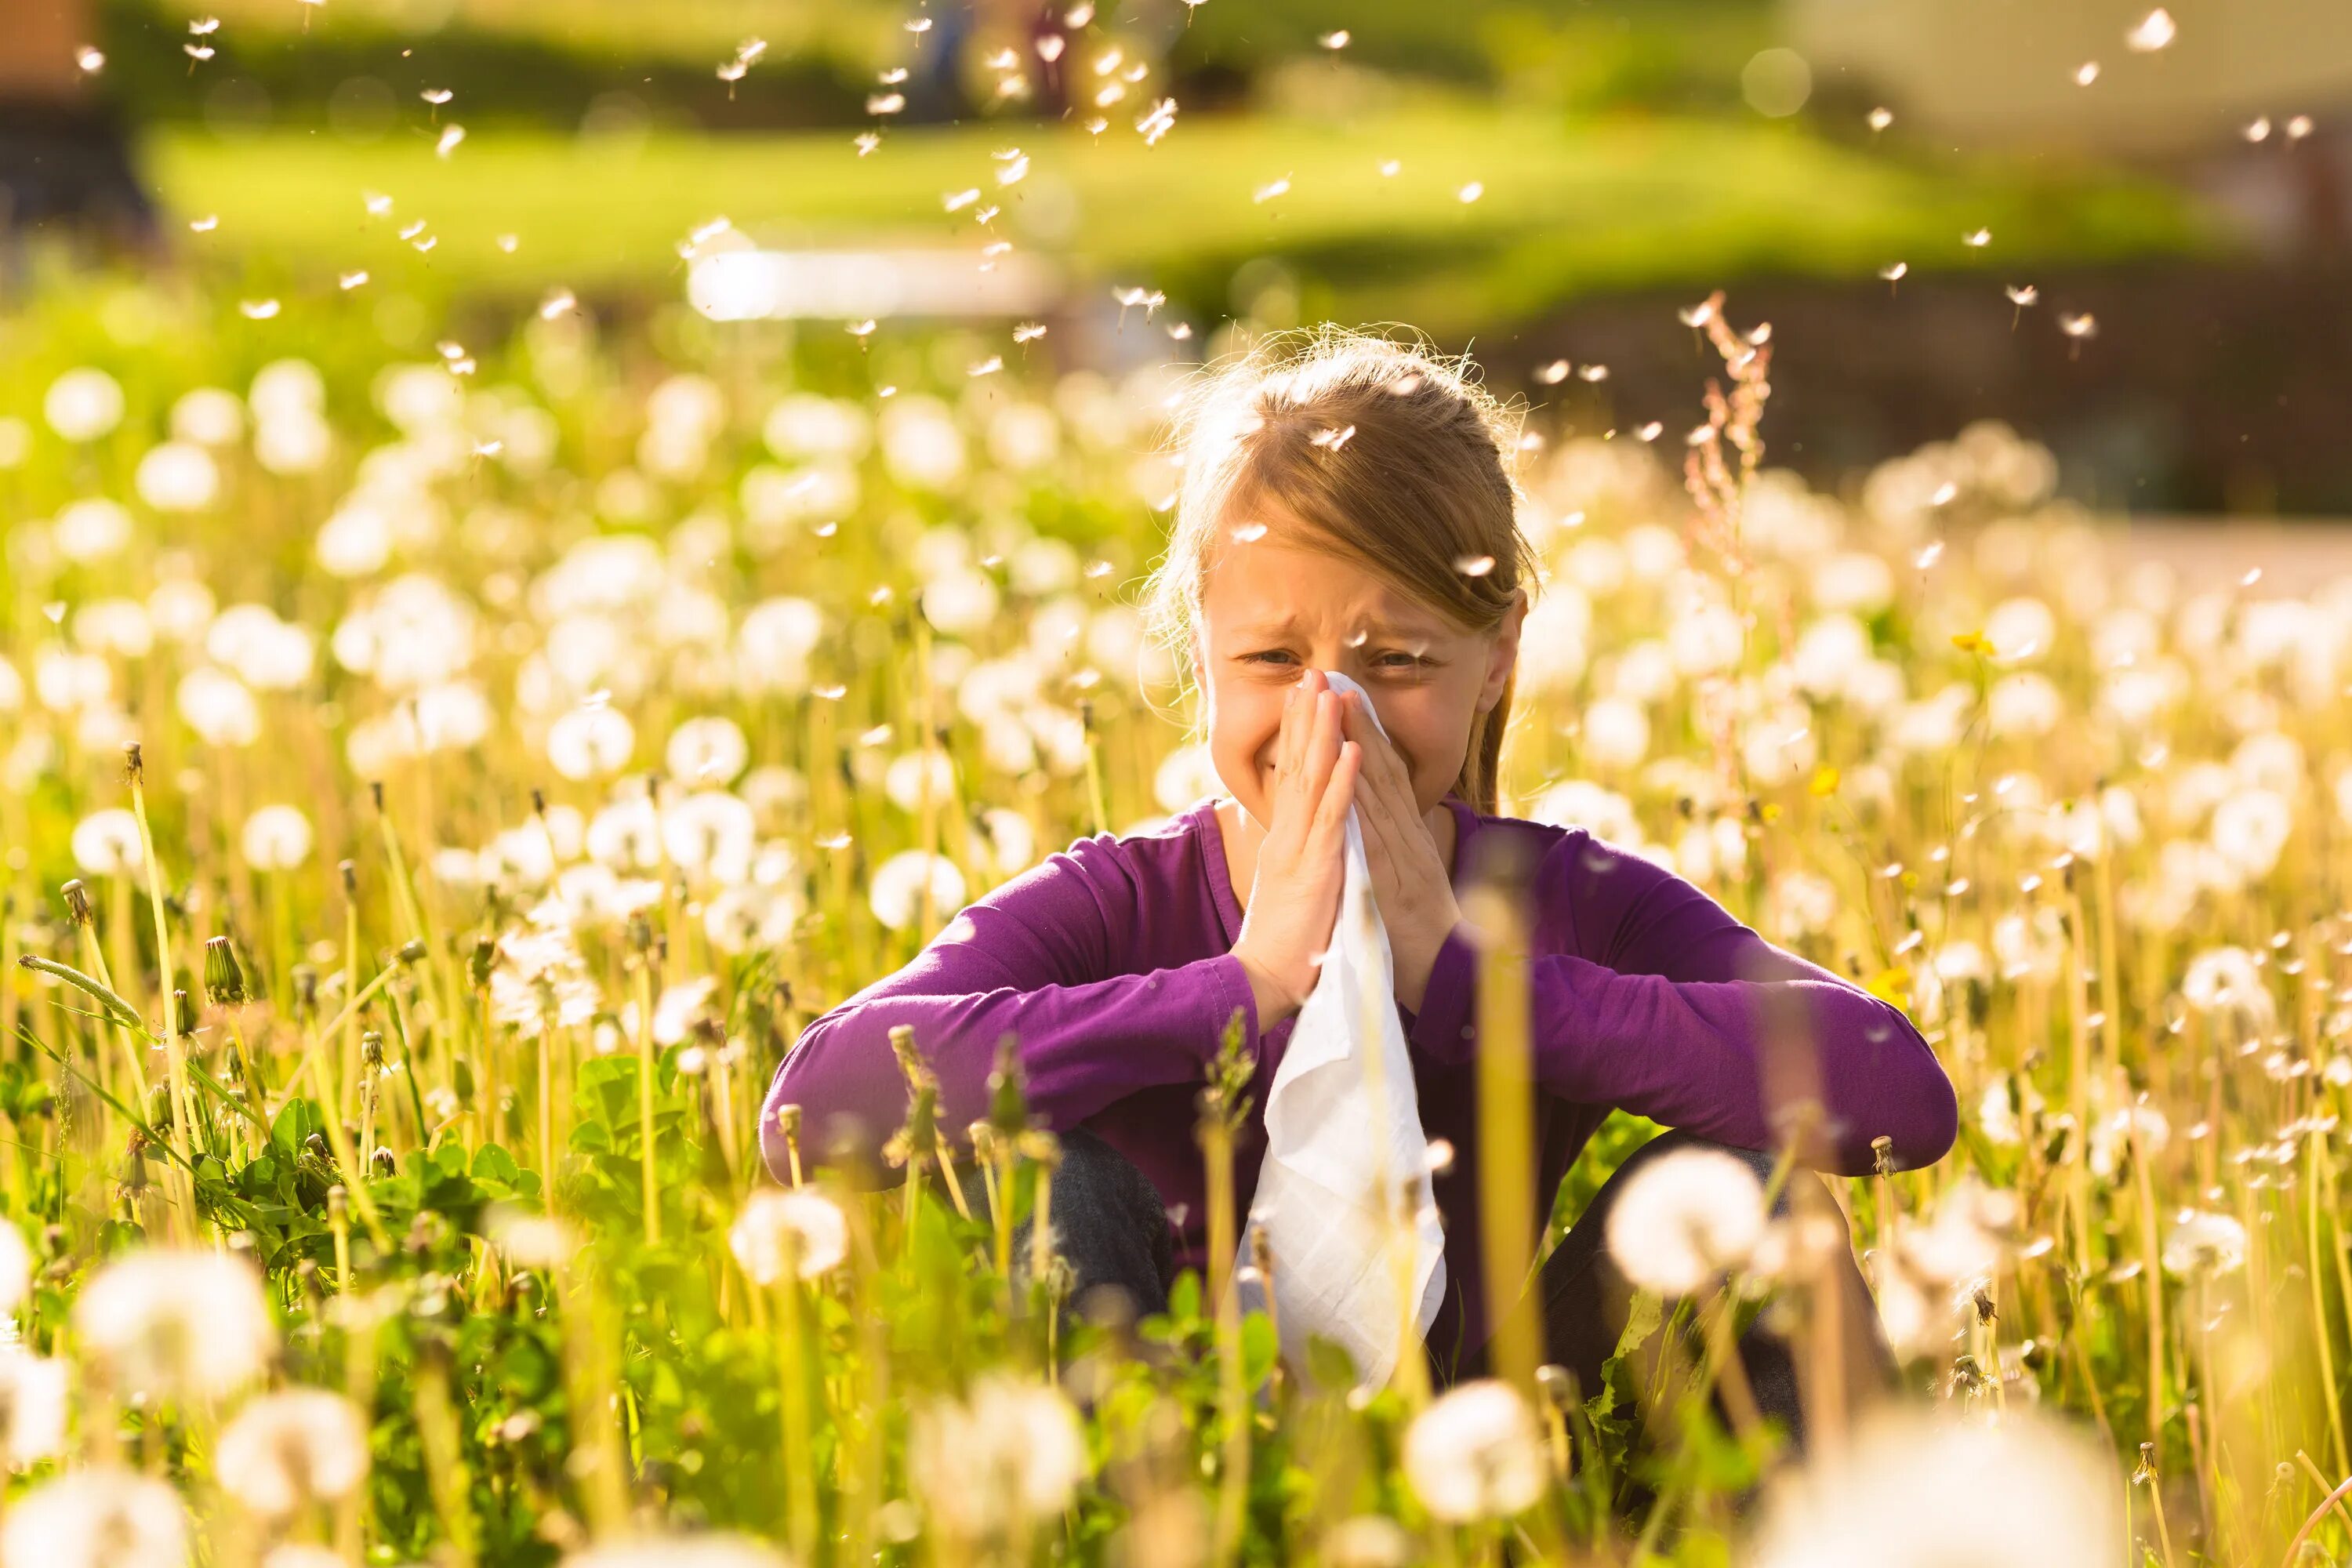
1425,483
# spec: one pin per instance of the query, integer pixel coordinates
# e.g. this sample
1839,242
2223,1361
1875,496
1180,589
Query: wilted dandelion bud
168,1321
224,979
1476,1453
805,1225
285,1451
412,952
105,1517
306,989
478,966
134,770
1685,1219
349,874
372,1050
77,909
385,1165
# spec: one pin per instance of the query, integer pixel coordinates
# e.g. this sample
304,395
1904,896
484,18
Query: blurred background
2122,231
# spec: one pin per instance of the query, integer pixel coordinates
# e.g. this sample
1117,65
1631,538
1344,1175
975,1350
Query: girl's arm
1673,1024
1025,960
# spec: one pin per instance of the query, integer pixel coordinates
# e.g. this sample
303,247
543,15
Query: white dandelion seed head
106,843
1686,1218
810,1224
1476,1453
1864,1508
1013,1449
896,893
102,1518
83,404
2200,1242
289,1449
168,1321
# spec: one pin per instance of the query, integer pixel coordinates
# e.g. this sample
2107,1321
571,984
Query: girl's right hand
1294,903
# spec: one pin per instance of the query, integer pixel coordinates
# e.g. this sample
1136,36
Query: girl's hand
1409,881
1293,900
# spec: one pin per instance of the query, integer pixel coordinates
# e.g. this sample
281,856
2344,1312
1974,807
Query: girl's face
1271,609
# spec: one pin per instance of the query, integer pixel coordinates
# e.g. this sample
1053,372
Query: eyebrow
1375,626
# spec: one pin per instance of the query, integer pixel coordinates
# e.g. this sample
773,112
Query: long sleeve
1670,1020
1029,959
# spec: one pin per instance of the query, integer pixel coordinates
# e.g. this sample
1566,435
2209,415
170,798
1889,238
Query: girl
1350,508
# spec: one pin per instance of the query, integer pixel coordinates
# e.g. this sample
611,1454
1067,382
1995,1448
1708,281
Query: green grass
1568,207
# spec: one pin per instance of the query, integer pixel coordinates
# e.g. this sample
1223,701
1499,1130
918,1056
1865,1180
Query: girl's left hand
1409,882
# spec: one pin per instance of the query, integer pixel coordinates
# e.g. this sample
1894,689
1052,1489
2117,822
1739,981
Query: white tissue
1341,1120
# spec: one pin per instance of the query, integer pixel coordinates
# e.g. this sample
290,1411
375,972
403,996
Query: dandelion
895,895
1476,1453
287,1451
1863,1508
590,742
98,1518
33,1404
1686,1218
177,1323
106,843
2201,1243
1013,1450
83,404
807,1222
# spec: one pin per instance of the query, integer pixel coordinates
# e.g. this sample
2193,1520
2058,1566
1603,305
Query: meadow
436,785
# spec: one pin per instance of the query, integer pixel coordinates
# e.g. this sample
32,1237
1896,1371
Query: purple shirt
1112,963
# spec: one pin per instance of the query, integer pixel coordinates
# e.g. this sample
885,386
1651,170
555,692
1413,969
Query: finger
1332,814
1286,744
1322,743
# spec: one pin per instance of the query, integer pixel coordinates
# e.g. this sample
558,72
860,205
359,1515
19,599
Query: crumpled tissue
1340,1195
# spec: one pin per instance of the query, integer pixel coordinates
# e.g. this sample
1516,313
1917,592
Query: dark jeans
1110,1227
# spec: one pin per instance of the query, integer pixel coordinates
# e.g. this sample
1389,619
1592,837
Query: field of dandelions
435,791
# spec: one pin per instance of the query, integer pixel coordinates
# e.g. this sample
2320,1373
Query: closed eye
1405,661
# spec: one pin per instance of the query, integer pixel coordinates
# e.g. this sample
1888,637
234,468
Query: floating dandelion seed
988,366
1651,431
1180,331
2250,578
1332,440
436,96
1698,315
1028,331
1474,565
2083,326
1050,46
861,328
1977,239
894,76
919,24
1552,375
349,280
258,309
1267,192
1078,16
1249,532
90,60
1004,59
428,243
1593,373
205,223
2086,73
886,102
956,201
2298,128
1929,556
1946,493
450,136
730,72
411,230
1881,118
2153,32
1894,270
1470,192
2021,295
1335,41
865,142
556,304
197,52
507,242
1157,122
377,205
2259,130
1015,166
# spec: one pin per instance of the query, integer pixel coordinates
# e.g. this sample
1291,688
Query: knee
1093,1172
